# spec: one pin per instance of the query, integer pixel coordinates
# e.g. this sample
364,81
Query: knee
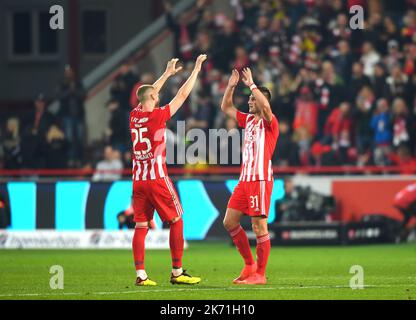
260,229
229,225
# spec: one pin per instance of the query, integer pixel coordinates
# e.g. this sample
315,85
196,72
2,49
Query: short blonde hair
141,92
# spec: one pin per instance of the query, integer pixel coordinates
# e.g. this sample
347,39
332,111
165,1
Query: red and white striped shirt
149,143
259,143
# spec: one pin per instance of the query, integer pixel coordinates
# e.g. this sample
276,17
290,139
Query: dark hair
266,92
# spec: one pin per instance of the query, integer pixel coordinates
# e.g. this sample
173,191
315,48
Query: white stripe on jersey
253,153
261,146
270,175
256,158
250,153
160,166
138,171
178,207
249,161
145,164
152,169
262,195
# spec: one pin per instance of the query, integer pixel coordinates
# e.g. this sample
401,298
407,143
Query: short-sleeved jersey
149,142
260,139
405,197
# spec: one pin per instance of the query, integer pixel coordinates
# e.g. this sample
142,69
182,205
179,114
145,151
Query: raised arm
227,105
187,87
170,71
262,101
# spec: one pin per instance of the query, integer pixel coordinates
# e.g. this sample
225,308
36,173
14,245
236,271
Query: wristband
253,86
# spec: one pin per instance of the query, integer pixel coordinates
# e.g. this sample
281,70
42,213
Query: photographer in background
304,204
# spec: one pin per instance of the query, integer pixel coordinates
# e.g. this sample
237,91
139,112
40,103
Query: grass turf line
293,273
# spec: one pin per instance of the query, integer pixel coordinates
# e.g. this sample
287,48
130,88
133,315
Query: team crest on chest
253,133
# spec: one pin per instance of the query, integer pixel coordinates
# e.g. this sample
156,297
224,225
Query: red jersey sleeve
241,119
165,113
273,125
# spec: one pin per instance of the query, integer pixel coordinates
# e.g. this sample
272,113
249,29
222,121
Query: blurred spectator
122,87
287,150
241,59
304,140
398,84
379,81
33,149
394,55
11,145
204,115
381,124
340,28
401,123
284,204
184,31
284,96
226,42
373,29
343,61
71,96
306,114
127,159
404,159
112,164
409,26
358,79
56,148
117,133
146,78
369,58
39,119
362,117
390,32
339,131
328,89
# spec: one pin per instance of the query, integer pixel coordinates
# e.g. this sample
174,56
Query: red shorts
159,194
252,198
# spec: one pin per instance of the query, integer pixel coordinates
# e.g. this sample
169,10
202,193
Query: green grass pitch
293,273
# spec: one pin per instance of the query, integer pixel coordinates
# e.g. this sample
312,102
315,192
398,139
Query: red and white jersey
259,143
149,142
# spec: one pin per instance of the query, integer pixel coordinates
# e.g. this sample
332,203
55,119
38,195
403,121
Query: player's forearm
262,103
227,100
161,81
187,87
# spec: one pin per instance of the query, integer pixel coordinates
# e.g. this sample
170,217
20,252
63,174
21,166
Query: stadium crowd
342,95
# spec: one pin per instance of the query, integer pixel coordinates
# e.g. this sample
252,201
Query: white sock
177,272
141,274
